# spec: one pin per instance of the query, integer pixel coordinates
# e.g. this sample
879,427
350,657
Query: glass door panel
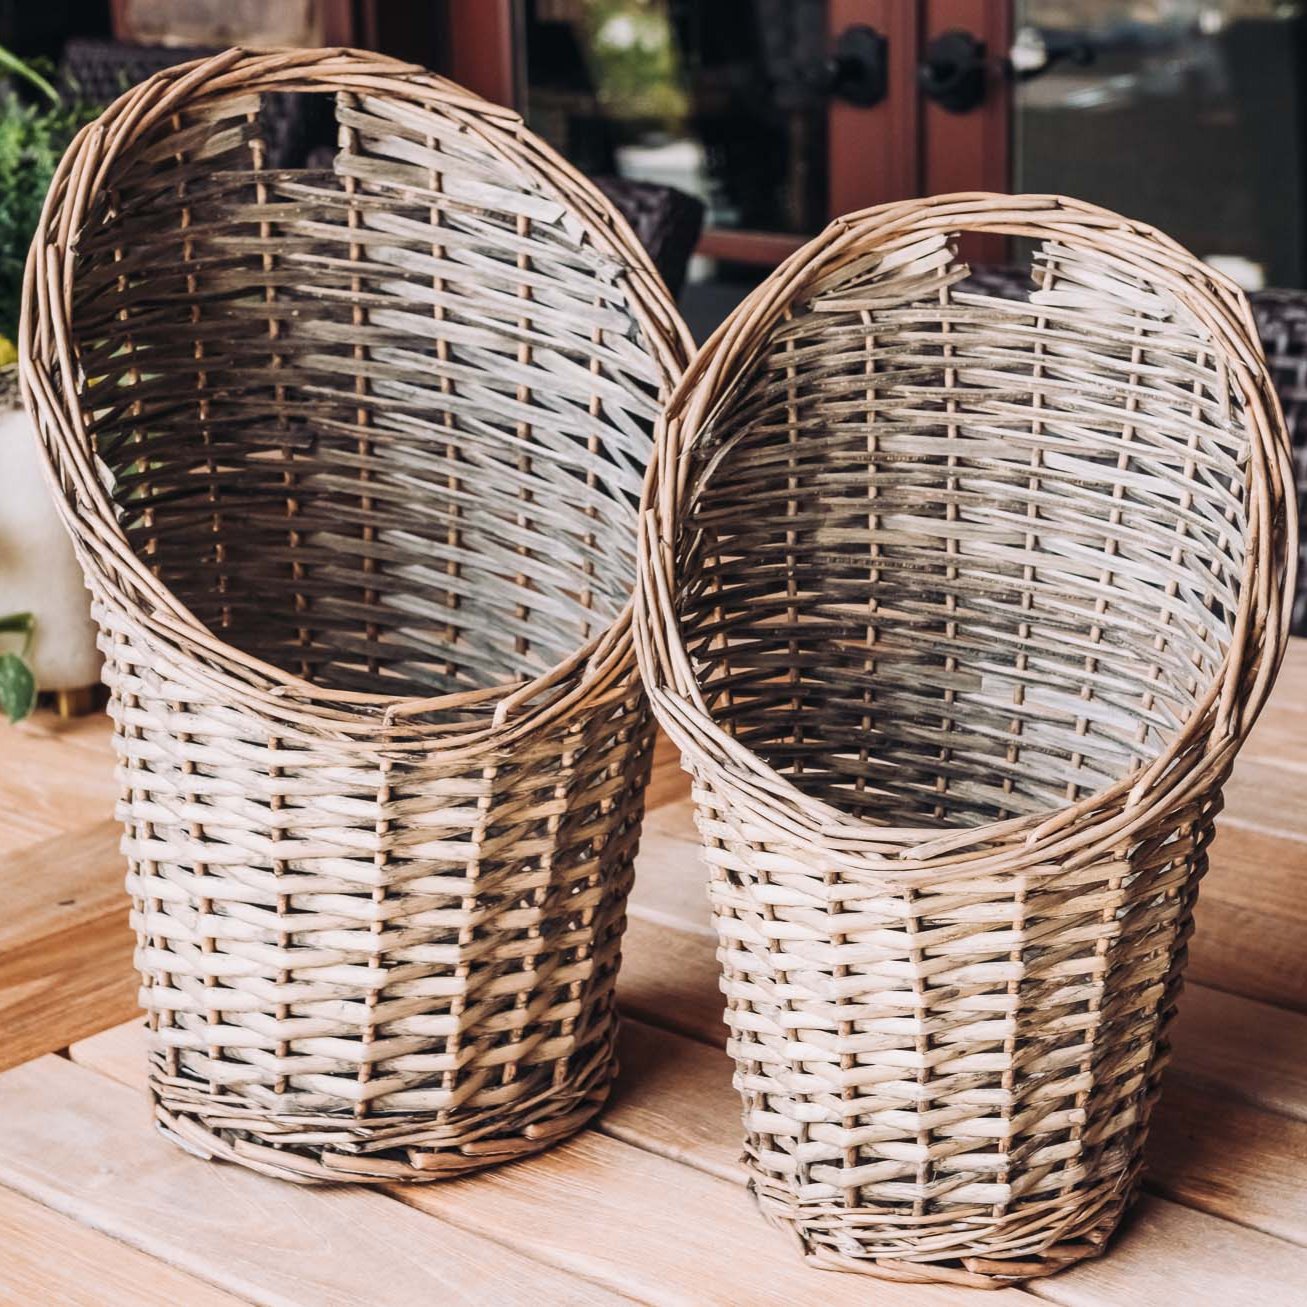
723,100
1188,114
728,100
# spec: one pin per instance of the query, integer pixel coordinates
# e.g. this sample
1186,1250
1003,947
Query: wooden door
752,104
748,94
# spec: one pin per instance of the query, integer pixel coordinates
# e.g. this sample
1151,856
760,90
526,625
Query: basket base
336,1150
961,1248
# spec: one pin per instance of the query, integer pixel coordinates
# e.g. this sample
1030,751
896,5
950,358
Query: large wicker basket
959,610
352,460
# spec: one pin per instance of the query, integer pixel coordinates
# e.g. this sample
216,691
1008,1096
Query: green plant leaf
23,624
17,624
33,136
11,63
17,687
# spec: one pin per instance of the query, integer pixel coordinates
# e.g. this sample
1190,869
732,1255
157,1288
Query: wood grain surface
1224,1221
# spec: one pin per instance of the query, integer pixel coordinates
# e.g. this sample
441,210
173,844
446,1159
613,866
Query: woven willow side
959,608
351,459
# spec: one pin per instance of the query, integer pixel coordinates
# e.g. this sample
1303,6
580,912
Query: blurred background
731,131
776,115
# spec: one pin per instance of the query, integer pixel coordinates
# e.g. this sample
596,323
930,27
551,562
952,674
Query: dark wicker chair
296,127
1281,317
300,130
1282,324
666,222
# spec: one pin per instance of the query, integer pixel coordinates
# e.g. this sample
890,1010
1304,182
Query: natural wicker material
1281,318
297,130
959,609
352,459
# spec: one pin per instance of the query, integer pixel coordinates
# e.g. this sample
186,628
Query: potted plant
47,639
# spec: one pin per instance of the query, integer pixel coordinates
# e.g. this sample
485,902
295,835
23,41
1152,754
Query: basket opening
949,558
380,423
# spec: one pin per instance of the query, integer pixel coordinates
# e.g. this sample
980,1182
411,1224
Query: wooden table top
649,1204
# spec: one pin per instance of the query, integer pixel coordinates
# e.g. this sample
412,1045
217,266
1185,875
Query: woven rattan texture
959,608
351,459
1281,318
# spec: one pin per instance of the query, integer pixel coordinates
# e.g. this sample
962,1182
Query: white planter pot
38,573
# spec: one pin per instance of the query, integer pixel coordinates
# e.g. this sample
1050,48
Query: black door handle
953,73
956,70
858,68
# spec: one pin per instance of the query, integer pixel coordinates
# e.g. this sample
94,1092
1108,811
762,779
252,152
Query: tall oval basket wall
959,609
351,458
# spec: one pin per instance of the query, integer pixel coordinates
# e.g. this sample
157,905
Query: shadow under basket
351,458
959,609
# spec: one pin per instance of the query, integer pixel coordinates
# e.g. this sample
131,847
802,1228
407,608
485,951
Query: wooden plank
656,1231
667,783
1251,918
65,946
1293,674
1231,1160
1281,732
628,1217
118,1053
1166,1253
1261,868
1250,1051
63,881
62,988
669,978
671,881
52,781
674,821
1250,952
674,1098
47,1258
1264,794
20,830
78,1143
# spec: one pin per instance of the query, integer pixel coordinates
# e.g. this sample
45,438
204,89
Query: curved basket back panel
949,559
382,426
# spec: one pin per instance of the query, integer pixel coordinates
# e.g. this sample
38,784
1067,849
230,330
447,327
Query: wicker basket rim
512,708
1225,712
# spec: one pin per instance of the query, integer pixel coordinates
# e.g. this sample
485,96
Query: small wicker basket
959,609
352,459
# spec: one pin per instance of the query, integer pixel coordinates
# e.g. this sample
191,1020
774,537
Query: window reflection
1190,116
720,99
